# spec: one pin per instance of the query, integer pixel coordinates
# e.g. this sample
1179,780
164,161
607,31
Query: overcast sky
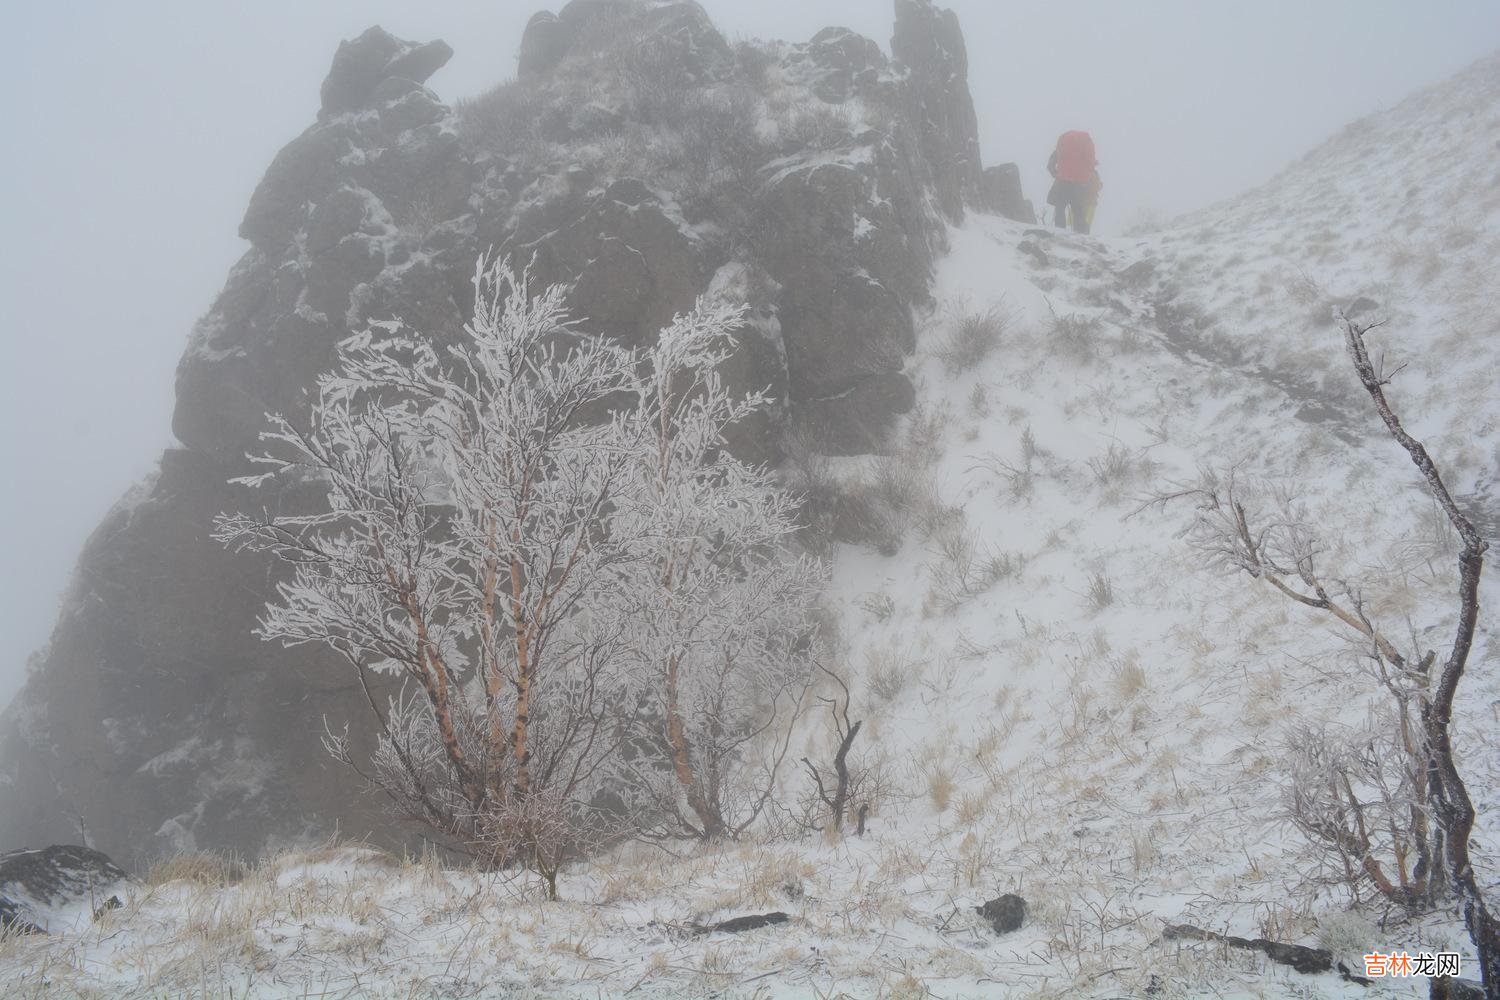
136,133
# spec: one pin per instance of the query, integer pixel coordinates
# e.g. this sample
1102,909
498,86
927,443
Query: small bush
501,120
1076,336
963,569
890,671
815,127
972,338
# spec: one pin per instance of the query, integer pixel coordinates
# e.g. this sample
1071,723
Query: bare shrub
1076,336
1411,762
1359,796
755,59
503,119
972,338
815,127
1019,477
888,673
963,568
841,784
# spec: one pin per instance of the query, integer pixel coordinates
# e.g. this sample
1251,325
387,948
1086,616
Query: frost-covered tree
725,615
488,526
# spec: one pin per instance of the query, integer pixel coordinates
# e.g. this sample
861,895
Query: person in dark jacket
1075,180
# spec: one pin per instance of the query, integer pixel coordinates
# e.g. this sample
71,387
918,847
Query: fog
136,134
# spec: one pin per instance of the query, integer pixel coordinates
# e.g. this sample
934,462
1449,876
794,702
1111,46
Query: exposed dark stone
634,263
33,882
752,922
930,44
837,64
1000,192
1005,913
1139,273
362,63
1451,988
1299,957
858,420
1035,252
543,45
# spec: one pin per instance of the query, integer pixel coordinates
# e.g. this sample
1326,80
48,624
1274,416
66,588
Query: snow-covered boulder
55,888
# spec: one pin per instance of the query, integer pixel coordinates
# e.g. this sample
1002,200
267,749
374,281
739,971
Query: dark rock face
1005,913
930,44
155,714
364,62
35,884
837,64
1000,192
543,44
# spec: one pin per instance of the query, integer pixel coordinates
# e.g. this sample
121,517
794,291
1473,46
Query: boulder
1004,913
1000,192
543,45
43,890
363,63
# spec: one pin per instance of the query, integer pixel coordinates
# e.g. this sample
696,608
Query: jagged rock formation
638,155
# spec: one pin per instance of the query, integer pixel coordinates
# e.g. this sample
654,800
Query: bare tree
837,785
1450,797
1426,810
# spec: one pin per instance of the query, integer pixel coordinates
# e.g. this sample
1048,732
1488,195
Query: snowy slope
1113,757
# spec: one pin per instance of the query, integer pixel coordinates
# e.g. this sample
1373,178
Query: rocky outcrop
929,44
155,715
42,889
1000,193
362,64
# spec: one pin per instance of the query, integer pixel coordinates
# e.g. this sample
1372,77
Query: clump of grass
1101,592
203,867
972,338
890,671
940,788
1113,467
1076,336
878,606
964,569
1130,678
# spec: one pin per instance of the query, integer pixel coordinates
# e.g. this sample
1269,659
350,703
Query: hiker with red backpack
1076,183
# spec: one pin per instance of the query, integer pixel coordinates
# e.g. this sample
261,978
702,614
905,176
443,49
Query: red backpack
1075,157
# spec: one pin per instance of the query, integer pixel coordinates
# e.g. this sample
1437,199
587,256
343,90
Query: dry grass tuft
973,337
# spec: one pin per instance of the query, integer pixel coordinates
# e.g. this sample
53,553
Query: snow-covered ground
1093,718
